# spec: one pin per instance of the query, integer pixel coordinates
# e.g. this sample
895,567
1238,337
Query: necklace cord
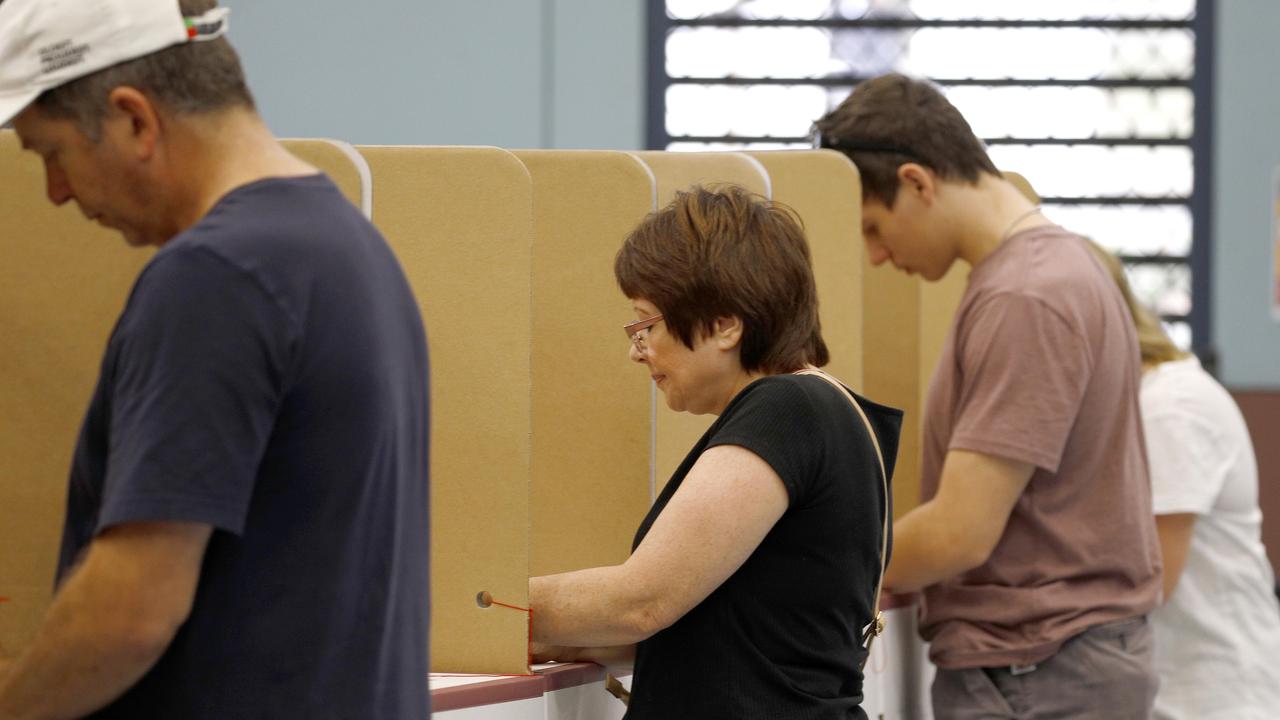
1009,230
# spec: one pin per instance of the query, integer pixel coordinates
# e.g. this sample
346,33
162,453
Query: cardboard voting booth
592,476
63,283
344,166
460,220
548,443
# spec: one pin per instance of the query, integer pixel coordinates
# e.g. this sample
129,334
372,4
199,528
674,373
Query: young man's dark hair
893,119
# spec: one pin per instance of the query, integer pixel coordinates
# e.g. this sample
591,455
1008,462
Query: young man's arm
109,623
958,529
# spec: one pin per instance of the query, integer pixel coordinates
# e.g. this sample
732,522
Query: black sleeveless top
781,638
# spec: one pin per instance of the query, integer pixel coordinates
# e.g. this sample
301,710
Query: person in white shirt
1218,631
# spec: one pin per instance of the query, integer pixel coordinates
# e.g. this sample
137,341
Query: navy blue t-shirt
268,377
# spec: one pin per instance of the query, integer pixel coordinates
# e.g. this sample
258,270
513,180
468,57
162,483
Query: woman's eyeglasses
637,332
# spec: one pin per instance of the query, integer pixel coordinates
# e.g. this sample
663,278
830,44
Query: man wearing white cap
246,528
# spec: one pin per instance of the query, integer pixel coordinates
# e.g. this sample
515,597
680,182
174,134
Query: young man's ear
919,180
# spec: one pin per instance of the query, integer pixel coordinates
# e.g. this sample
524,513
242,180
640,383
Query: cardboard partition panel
677,432
63,281
591,403
891,365
1023,185
342,163
460,221
824,189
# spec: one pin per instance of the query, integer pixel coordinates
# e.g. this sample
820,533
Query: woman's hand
544,652
616,658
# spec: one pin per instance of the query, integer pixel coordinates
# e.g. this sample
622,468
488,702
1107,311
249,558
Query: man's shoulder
1048,268
308,208
281,227
1034,258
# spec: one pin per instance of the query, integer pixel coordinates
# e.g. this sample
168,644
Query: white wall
1247,151
513,73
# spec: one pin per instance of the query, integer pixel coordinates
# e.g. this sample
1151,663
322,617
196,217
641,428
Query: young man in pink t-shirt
1034,544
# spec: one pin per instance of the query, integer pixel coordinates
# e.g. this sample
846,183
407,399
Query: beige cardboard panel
907,321
460,221
591,403
342,163
677,432
676,171
824,188
1023,185
63,282
938,303
890,370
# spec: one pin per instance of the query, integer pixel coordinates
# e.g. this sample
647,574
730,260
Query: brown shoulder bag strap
876,627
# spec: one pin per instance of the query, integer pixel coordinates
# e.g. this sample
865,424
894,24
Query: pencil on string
484,599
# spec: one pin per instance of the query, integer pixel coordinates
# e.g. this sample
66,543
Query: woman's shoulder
1183,393
789,388
1179,387
774,392
808,388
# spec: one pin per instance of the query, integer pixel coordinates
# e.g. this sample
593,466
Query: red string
513,607
529,644
4,599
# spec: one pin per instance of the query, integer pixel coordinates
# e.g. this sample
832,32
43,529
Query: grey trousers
1104,672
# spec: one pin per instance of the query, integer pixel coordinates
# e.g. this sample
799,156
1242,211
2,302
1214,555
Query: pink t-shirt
1041,366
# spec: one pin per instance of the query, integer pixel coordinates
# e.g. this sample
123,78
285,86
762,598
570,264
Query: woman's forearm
591,608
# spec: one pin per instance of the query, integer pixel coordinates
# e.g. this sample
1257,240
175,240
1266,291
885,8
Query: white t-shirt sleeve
1188,463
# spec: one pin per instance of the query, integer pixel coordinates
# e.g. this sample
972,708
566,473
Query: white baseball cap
47,43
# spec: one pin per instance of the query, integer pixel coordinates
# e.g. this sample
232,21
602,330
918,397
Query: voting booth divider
63,283
592,406
461,222
548,443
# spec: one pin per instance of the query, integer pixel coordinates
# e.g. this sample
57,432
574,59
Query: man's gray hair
189,78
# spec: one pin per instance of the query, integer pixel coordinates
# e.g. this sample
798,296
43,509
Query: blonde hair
1153,343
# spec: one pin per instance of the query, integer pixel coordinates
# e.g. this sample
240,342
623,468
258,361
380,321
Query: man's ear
918,180
133,121
727,332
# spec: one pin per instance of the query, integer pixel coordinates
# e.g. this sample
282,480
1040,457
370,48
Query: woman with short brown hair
757,569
